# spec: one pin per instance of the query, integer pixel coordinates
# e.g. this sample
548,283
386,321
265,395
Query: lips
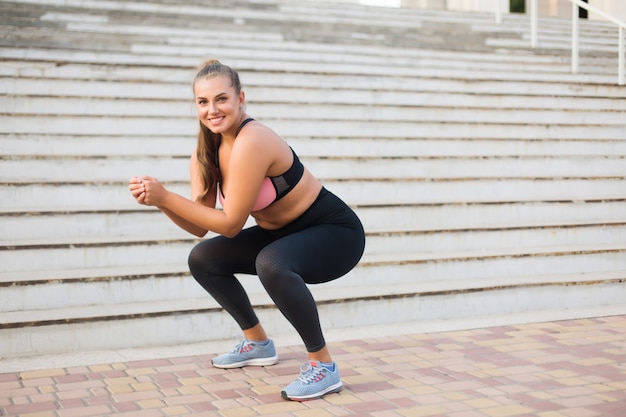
216,120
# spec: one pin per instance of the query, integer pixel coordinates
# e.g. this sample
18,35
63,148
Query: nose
212,107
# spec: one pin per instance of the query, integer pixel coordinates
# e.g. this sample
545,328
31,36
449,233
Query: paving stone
448,374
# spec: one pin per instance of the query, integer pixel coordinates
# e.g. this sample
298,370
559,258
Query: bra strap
245,122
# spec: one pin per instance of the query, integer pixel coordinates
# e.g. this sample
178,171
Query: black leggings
323,244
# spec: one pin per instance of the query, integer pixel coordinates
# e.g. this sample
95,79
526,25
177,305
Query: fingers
136,184
137,189
140,187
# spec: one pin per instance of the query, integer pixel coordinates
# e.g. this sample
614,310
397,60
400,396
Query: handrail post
576,5
498,12
533,23
621,59
574,38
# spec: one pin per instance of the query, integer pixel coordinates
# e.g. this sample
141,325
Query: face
219,107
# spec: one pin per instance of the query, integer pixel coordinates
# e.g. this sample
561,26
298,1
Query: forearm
183,223
198,217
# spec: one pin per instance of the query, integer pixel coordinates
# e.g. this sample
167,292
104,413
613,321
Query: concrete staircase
490,179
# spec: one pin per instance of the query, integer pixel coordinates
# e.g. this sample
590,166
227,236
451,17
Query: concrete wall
554,8
476,5
425,4
563,8
615,8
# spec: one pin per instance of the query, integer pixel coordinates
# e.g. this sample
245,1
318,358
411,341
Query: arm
249,161
184,224
192,216
196,188
138,189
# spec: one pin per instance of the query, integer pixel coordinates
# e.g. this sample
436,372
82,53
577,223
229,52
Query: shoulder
257,129
193,158
257,137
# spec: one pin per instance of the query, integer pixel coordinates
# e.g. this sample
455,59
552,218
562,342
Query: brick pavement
574,368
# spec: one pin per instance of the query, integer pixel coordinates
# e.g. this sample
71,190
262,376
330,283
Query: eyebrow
216,96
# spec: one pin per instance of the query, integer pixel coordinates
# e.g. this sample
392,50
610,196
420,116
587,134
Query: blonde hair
209,142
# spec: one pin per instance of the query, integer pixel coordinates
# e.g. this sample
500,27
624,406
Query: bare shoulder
258,131
194,163
257,138
193,158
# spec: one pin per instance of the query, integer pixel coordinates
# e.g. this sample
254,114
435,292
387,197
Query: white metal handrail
621,77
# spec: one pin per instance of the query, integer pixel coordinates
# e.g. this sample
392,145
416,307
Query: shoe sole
330,390
272,360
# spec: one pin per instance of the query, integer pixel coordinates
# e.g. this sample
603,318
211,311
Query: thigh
319,253
225,256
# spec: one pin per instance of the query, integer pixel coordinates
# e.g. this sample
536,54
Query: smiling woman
304,233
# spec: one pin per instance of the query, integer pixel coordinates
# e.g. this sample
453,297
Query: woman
303,235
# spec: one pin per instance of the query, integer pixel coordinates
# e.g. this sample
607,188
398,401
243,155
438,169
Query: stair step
105,108
185,126
27,197
154,282
198,320
322,295
432,239
174,83
94,146
111,58
183,40
173,99
19,228
559,42
60,170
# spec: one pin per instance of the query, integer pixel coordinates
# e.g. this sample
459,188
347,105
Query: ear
242,99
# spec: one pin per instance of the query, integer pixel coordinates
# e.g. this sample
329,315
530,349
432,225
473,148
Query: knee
199,260
269,268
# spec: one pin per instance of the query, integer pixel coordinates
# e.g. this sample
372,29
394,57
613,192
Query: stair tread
118,58
90,274
84,241
66,75
541,250
329,294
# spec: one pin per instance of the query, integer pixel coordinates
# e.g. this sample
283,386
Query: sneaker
248,353
315,381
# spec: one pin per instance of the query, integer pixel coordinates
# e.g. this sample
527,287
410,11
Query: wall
563,8
553,8
615,8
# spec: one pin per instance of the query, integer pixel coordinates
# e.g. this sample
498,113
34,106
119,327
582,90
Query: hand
147,190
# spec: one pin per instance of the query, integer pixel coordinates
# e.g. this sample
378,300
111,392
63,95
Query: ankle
255,334
322,355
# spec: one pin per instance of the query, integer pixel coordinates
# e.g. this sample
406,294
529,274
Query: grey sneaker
247,353
315,381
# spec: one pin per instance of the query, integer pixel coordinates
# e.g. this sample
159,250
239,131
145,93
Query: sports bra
272,188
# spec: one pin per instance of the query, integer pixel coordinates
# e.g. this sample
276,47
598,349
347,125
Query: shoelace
309,373
240,346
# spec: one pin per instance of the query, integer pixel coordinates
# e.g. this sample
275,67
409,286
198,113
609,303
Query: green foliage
518,6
